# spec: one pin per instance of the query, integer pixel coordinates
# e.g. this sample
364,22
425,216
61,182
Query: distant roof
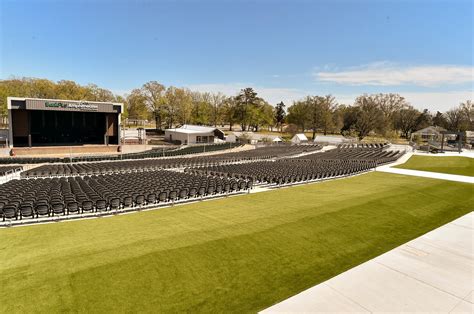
257,136
193,129
300,136
330,139
430,130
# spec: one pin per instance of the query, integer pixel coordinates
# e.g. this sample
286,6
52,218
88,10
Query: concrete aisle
426,174
433,273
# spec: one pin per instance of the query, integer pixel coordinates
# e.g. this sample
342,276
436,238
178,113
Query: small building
299,139
470,138
431,133
332,139
194,134
253,138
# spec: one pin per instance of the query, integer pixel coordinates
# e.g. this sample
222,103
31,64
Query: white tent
331,139
299,138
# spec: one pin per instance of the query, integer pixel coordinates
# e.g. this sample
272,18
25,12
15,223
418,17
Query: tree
455,119
390,105
71,90
178,106
154,94
136,105
440,120
327,106
405,120
217,101
298,115
424,120
467,108
369,116
230,111
246,99
280,114
261,114
201,109
99,94
349,119
124,114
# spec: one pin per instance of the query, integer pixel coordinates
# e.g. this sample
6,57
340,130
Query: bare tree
154,93
405,120
456,119
369,116
217,101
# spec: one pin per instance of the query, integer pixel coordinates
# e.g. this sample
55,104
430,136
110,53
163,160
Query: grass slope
453,165
240,254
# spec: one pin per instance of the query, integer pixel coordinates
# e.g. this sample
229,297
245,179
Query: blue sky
284,49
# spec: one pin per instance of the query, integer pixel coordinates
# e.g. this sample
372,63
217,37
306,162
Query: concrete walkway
433,273
427,174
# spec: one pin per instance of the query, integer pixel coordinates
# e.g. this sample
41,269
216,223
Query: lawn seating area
60,196
232,255
456,165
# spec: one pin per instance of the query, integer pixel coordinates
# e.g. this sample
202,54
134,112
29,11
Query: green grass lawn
452,165
240,254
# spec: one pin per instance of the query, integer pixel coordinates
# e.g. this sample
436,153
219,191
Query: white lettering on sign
78,106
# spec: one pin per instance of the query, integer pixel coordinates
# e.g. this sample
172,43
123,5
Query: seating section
79,169
72,188
336,162
9,169
364,145
378,155
286,170
152,153
63,196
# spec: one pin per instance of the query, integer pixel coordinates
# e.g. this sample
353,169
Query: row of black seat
377,155
286,170
63,196
152,153
364,145
9,169
96,168
336,162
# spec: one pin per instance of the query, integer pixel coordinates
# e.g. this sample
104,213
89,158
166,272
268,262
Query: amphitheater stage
65,150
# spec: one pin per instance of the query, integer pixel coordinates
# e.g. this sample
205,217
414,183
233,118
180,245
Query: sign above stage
66,105
83,106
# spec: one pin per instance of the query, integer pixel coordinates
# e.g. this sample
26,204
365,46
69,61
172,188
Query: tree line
388,115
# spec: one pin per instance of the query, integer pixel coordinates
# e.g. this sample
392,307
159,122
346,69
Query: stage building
52,122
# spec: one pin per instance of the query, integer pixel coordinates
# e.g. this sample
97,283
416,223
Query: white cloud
271,95
433,101
389,74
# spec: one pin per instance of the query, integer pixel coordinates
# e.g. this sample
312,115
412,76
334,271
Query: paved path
427,174
433,273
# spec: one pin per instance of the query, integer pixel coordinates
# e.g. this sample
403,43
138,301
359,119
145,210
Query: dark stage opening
64,128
